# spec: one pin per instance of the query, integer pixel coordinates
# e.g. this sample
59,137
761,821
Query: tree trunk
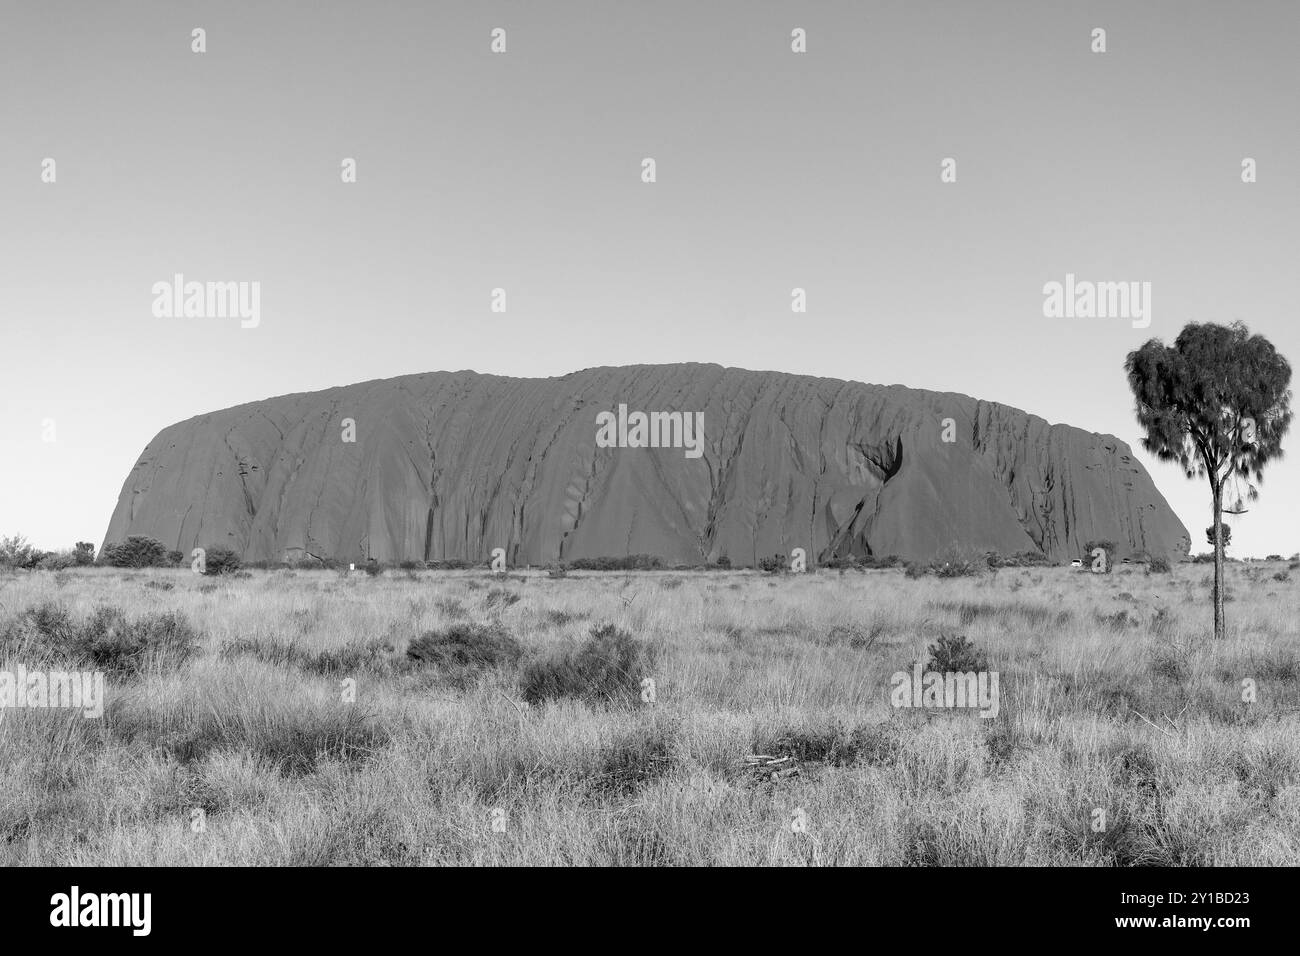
1218,561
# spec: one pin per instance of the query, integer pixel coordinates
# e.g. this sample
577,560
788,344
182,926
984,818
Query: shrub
834,743
38,631
1158,566
724,563
607,667
954,653
634,759
500,598
57,561
373,568
557,572
371,655
558,618
852,562
1119,621
137,551
84,553
220,561
632,562
450,607
465,652
954,568
1226,532
1022,559
107,640
949,565
773,565
17,552
453,564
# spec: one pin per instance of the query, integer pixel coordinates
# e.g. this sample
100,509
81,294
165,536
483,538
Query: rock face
454,464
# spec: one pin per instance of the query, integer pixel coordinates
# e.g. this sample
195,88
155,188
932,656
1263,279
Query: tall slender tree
1218,403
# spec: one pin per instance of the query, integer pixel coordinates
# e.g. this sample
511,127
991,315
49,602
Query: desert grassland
1113,696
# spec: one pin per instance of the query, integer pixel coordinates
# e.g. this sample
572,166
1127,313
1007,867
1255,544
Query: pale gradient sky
522,171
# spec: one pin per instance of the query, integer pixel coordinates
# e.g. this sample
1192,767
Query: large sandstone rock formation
453,464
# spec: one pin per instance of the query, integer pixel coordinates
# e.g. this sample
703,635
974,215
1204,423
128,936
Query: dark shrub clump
106,641
137,551
500,598
464,652
451,564
1022,559
631,562
607,667
866,562
220,561
634,759
834,743
953,653
17,552
109,641
37,631
948,566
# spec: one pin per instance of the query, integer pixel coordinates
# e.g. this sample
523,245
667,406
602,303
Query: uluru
451,465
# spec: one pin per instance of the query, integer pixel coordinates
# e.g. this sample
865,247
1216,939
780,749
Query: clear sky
522,171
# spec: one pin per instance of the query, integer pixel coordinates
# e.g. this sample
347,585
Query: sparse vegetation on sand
318,718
